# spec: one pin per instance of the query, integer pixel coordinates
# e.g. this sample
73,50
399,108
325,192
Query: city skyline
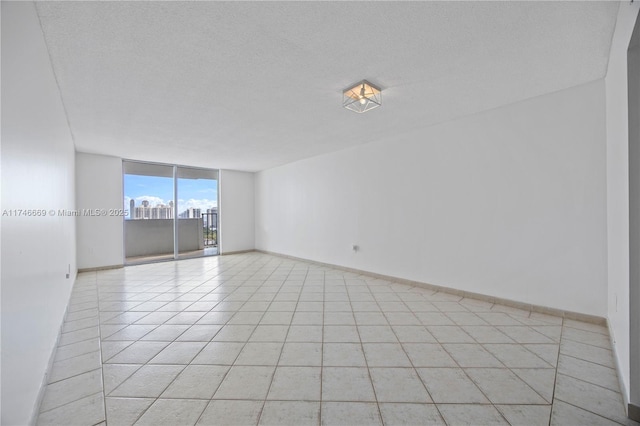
158,191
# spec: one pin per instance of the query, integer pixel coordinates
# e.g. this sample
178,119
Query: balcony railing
210,229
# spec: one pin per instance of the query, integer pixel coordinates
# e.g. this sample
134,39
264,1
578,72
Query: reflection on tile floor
259,339
138,260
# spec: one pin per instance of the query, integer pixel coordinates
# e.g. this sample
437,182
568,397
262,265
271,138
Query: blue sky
198,193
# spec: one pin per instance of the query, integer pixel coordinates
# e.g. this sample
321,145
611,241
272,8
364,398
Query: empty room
320,213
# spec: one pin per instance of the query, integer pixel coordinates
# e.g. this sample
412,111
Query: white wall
619,225
236,211
634,223
37,173
99,186
618,187
509,202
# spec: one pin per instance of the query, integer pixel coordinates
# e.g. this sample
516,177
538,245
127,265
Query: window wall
171,212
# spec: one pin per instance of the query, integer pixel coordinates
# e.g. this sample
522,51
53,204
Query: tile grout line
70,402
476,343
555,379
249,338
230,367
587,381
275,370
54,355
364,355
463,370
104,395
415,370
324,297
587,410
505,367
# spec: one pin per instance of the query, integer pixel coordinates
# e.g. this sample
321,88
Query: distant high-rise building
211,218
191,213
132,206
159,211
141,212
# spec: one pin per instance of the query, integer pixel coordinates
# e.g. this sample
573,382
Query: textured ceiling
252,85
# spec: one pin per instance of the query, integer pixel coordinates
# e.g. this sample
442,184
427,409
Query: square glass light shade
362,97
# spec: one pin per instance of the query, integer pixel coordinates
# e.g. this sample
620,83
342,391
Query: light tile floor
259,339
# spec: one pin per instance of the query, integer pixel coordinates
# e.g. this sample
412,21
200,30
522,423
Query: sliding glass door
197,211
172,212
148,197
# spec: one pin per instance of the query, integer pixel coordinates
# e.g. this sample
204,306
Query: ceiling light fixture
362,97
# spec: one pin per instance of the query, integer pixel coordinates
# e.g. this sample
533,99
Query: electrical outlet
355,247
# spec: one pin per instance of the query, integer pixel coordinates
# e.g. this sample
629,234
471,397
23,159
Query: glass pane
148,197
197,212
